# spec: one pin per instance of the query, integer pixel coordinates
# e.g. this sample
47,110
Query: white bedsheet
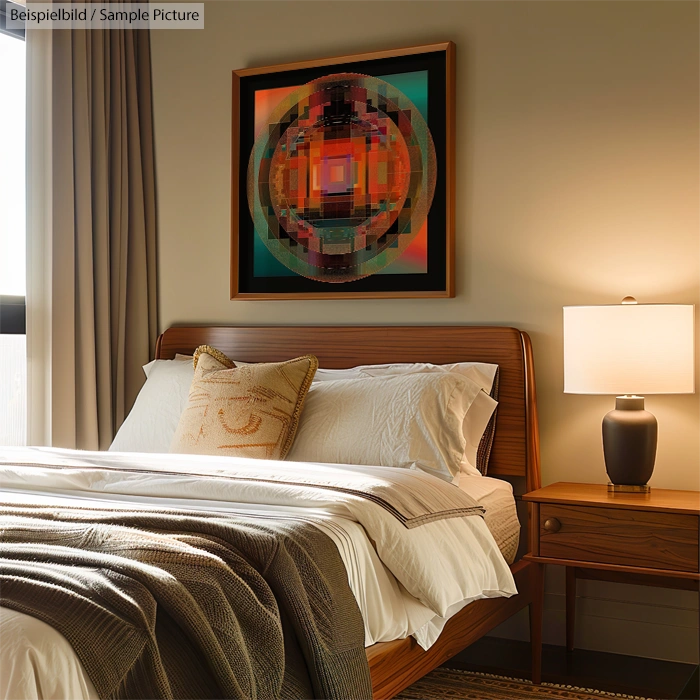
33,655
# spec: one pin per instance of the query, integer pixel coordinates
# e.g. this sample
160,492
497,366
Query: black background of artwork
435,278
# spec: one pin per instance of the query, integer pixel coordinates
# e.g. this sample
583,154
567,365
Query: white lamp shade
629,349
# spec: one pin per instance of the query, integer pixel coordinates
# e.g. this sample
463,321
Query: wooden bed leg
536,614
570,607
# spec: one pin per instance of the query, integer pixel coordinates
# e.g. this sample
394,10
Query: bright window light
13,389
13,353
12,166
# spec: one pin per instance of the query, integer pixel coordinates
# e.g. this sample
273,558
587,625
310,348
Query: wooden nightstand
649,539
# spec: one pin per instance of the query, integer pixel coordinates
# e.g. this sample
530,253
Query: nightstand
648,539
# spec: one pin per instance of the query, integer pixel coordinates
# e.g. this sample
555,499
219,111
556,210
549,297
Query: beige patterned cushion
246,411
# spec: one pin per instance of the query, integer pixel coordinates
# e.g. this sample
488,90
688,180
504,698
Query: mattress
501,514
38,662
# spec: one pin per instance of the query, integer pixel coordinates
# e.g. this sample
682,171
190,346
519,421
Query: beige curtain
98,308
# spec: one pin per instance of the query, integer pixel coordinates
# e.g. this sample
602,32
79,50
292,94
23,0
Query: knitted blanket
179,604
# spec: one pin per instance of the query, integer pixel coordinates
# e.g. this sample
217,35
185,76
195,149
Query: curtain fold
100,302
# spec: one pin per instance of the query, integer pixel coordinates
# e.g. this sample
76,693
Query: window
13,362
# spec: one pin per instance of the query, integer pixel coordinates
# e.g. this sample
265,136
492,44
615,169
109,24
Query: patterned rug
452,684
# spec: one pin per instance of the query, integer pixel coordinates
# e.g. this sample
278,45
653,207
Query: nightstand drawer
616,536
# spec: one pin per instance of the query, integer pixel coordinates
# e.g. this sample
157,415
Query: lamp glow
629,349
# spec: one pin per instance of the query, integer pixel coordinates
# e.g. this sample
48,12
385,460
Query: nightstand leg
570,607
536,614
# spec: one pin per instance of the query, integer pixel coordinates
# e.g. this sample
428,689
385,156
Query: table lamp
629,350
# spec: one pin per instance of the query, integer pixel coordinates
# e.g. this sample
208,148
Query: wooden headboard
516,445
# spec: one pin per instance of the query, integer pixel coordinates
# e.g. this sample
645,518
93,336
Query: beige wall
577,183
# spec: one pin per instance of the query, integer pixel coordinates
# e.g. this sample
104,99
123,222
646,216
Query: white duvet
405,581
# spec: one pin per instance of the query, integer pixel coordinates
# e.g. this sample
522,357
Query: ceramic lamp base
629,442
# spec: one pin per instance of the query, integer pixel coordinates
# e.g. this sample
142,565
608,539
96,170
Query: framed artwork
342,179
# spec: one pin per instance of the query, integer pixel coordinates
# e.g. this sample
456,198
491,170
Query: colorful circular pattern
342,179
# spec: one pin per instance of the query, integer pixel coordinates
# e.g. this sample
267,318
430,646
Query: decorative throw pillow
246,411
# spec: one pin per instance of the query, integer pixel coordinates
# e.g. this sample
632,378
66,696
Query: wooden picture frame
304,203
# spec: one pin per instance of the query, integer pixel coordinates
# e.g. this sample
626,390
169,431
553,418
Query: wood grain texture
570,607
653,540
516,445
235,182
395,665
533,528
597,495
536,621
644,539
534,479
450,179
622,569
351,58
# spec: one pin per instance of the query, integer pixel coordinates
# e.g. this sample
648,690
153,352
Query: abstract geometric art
341,177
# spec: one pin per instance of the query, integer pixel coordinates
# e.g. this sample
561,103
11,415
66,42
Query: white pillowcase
403,420
151,423
478,415
482,373
475,423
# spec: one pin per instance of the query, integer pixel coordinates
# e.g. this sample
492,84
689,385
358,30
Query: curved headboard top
516,445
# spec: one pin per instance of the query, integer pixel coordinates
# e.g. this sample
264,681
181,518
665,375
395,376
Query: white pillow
483,373
478,415
405,420
151,423
475,423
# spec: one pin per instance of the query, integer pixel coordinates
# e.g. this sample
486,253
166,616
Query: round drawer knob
552,525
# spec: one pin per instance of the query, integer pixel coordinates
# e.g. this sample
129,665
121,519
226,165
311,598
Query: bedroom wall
577,183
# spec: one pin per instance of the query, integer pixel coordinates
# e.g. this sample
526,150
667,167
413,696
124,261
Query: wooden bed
515,455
